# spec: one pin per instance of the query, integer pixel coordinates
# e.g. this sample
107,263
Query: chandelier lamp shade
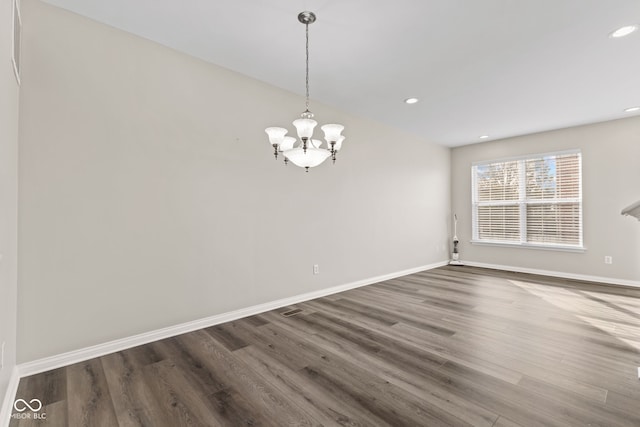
305,151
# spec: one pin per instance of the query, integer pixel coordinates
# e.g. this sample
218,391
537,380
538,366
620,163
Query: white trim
561,274
75,356
543,247
527,157
14,15
9,397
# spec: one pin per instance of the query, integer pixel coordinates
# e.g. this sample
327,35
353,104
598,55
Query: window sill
560,248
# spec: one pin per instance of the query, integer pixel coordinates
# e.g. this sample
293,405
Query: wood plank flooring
454,346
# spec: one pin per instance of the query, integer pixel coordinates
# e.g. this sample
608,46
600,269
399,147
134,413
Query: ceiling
492,67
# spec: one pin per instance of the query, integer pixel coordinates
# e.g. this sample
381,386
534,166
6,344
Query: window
533,201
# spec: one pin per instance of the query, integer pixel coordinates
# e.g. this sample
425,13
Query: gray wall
149,195
8,195
611,181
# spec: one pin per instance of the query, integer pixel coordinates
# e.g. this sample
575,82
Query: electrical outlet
608,259
316,269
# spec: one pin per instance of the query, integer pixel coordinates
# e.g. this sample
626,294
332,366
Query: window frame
523,201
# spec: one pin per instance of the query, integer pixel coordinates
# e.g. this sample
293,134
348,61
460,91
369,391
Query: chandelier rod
307,63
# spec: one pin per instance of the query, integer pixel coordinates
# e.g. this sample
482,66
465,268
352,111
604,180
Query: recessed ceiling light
411,100
632,109
484,136
623,31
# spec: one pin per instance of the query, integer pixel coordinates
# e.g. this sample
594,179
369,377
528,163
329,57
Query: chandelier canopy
306,152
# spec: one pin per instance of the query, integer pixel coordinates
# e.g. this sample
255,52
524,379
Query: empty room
319,213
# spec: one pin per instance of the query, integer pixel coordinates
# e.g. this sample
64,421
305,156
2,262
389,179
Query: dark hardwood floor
451,346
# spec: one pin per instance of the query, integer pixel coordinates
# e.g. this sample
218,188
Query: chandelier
306,152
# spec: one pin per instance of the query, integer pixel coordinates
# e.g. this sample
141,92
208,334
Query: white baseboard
75,356
583,277
9,397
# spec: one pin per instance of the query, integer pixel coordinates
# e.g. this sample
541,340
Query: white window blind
534,201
